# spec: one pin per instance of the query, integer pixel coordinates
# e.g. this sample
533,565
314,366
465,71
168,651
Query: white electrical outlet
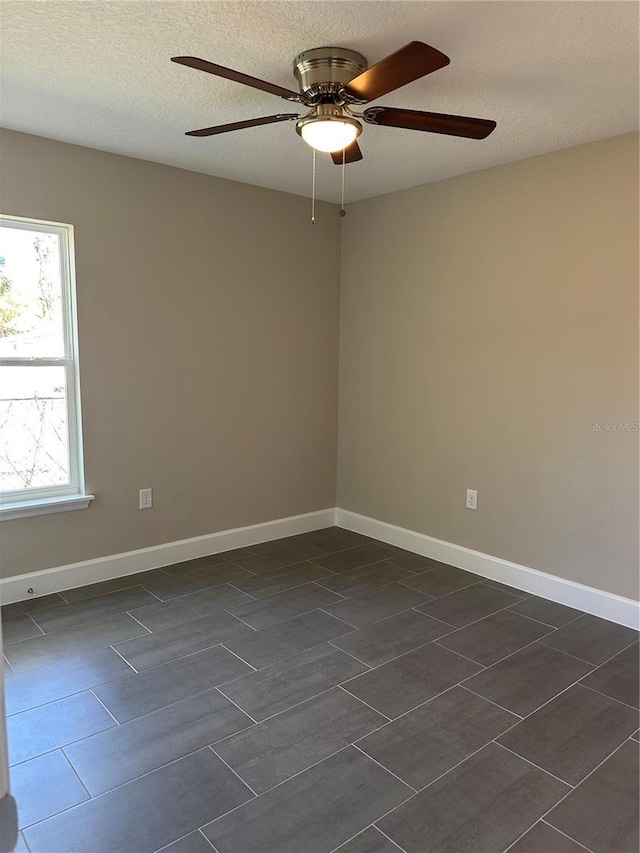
146,499
472,499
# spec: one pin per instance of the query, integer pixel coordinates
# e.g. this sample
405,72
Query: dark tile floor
323,693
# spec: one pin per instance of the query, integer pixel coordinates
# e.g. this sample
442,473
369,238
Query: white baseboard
615,608
60,578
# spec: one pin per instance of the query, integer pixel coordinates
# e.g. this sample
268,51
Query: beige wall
486,322
208,347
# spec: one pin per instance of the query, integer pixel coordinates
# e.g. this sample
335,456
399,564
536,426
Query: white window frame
71,495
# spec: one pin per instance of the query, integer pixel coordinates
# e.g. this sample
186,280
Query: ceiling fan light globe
329,134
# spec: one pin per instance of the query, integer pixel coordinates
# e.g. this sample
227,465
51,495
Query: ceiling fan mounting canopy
324,71
332,80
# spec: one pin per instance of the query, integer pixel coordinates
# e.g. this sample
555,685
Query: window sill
45,506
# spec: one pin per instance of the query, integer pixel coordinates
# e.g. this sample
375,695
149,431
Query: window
41,467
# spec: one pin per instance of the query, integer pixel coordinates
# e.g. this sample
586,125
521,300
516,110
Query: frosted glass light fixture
329,133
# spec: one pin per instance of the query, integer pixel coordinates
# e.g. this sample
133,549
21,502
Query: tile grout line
619,652
235,655
497,705
364,592
573,683
462,760
91,689
189,654
397,657
387,583
273,787
86,621
532,763
277,568
282,660
500,660
175,841
168,763
588,849
377,828
282,621
131,666
606,696
309,698
353,696
366,754
459,684
290,707
295,584
237,589
485,582
315,763
409,711
541,819
540,622
353,627
574,657
244,782
222,693
340,595
475,622
429,597
207,840
30,617
150,593
353,657
182,838
431,699
591,663
444,594
582,781
336,574
75,773
466,657
428,785
135,619
420,790
361,832
122,785
124,724
462,588
277,592
98,595
557,695
239,620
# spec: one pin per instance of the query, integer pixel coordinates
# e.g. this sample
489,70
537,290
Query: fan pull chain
313,186
343,212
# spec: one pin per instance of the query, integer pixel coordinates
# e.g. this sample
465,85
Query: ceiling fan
335,80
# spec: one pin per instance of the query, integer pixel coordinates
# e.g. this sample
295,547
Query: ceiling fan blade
352,154
411,62
238,76
471,128
239,125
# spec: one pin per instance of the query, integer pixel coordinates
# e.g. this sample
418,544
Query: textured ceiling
552,74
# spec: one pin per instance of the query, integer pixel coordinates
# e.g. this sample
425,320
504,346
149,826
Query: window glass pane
34,447
31,323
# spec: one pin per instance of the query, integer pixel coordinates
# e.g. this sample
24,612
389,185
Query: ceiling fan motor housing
323,71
